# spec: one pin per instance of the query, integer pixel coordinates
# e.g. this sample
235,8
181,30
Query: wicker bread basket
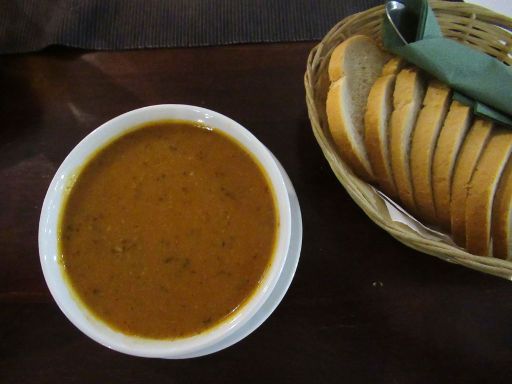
468,24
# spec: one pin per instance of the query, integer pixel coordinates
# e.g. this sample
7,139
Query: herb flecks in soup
168,230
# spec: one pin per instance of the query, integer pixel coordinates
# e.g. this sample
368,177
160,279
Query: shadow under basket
469,24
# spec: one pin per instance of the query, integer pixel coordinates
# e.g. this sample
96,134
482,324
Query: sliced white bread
424,141
455,128
376,123
502,216
472,148
376,137
354,66
407,99
482,189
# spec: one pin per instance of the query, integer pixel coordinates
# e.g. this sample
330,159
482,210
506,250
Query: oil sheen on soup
168,230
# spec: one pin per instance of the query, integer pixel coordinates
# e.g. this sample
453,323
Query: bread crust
455,128
393,66
470,152
424,141
482,189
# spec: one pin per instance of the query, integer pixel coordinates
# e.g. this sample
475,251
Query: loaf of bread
398,129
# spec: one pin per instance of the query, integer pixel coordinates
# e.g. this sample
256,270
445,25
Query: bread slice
424,141
407,99
354,66
376,139
471,150
482,189
376,119
455,128
502,216
376,123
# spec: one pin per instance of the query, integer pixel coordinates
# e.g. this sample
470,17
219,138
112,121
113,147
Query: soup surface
168,230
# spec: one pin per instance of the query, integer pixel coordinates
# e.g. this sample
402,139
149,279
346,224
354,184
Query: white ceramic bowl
210,340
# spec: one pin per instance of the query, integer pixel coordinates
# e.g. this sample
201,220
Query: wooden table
362,308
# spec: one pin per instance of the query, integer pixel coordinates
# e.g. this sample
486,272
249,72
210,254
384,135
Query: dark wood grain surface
362,308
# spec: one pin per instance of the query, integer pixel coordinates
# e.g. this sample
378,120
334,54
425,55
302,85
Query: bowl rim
54,201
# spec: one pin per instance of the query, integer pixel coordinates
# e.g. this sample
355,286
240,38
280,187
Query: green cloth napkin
479,80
